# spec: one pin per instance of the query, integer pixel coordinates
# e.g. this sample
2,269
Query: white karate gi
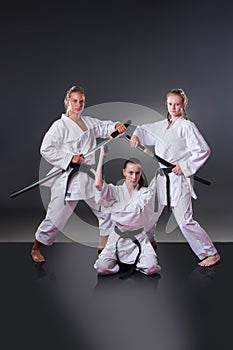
128,213
184,144
63,140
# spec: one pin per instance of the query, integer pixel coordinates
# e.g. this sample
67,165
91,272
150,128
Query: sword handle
116,132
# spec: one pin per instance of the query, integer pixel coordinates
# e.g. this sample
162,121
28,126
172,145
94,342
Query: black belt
166,171
85,168
128,234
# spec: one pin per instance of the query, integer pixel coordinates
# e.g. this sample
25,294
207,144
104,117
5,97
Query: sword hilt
116,132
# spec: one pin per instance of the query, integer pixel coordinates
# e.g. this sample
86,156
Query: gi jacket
182,143
65,139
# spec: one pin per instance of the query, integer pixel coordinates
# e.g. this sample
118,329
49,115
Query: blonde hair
75,88
184,98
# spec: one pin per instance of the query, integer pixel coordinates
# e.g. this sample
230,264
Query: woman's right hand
77,159
134,141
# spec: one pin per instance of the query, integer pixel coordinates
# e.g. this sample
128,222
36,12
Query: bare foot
37,256
210,260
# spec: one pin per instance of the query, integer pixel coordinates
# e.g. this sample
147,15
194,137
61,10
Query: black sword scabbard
168,164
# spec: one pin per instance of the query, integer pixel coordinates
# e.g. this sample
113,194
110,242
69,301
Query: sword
115,134
37,183
165,162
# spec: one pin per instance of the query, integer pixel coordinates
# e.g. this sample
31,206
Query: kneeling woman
131,206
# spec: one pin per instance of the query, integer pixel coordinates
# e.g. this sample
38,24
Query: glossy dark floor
63,304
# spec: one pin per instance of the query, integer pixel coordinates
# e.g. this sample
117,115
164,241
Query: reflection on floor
64,304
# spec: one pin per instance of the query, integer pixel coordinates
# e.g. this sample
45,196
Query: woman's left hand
177,170
104,150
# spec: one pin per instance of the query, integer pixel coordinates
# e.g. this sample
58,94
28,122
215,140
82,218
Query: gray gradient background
129,52
123,51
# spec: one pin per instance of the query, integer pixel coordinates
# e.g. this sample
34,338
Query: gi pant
58,213
127,252
195,235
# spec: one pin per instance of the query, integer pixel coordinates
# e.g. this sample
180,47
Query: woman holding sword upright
131,206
